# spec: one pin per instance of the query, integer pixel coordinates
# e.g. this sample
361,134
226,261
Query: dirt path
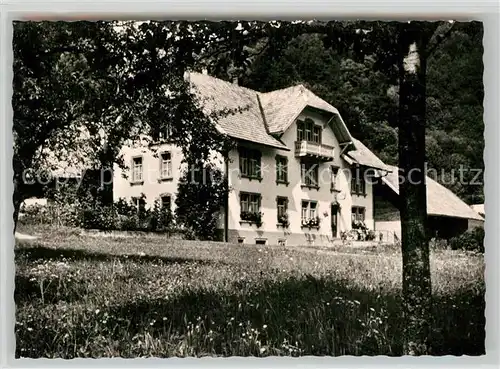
22,236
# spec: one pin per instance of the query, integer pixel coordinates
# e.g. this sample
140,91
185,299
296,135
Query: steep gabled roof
248,124
440,200
264,114
282,107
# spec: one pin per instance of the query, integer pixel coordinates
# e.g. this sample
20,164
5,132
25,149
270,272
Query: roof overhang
284,148
390,185
352,161
453,216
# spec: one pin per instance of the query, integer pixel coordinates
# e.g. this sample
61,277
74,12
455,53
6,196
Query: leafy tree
84,89
201,196
47,98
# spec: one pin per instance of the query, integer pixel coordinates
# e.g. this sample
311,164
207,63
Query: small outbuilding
448,215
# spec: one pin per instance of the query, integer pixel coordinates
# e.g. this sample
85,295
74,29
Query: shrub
85,212
99,217
360,231
127,222
160,219
200,197
52,213
125,208
438,244
370,235
34,214
472,240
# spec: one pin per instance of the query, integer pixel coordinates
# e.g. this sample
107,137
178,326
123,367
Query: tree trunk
17,200
414,241
106,183
103,177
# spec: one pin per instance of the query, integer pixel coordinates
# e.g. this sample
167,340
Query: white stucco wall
269,190
153,188
389,229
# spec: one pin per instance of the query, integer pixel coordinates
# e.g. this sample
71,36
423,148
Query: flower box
251,217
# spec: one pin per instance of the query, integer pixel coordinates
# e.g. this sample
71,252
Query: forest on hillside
368,99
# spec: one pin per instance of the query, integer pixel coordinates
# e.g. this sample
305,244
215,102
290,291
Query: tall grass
103,297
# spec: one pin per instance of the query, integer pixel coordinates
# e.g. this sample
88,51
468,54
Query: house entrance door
335,220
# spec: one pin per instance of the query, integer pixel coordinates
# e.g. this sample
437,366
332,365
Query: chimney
204,71
235,80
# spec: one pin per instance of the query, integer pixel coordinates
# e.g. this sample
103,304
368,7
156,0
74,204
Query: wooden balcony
313,150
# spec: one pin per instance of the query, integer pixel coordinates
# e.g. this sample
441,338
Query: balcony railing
313,149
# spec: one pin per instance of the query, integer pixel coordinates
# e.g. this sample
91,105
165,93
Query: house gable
282,107
316,118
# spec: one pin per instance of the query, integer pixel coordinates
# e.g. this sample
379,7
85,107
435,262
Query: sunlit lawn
83,296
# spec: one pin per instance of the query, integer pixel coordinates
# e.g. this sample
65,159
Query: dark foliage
472,240
201,197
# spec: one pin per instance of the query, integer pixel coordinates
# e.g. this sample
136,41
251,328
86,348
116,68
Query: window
166,132
250,163
137,169
281,169
250,208
250,202
312,210
308,131
300,130
166,165
282,242
358,184
358,214
317,134
162,133
140,204
260,241
166,202
305,206
309,215
310,174
282,208
333,173
241,240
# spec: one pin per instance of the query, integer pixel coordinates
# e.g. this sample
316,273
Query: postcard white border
485,11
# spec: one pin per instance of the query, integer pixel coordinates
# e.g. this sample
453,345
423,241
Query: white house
294,157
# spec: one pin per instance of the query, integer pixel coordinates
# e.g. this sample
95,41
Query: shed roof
440,200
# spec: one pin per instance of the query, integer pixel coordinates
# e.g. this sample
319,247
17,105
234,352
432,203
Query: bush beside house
120,216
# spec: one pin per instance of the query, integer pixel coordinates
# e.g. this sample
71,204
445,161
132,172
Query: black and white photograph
248,188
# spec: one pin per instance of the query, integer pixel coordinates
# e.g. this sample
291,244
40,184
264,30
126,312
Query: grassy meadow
84,296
